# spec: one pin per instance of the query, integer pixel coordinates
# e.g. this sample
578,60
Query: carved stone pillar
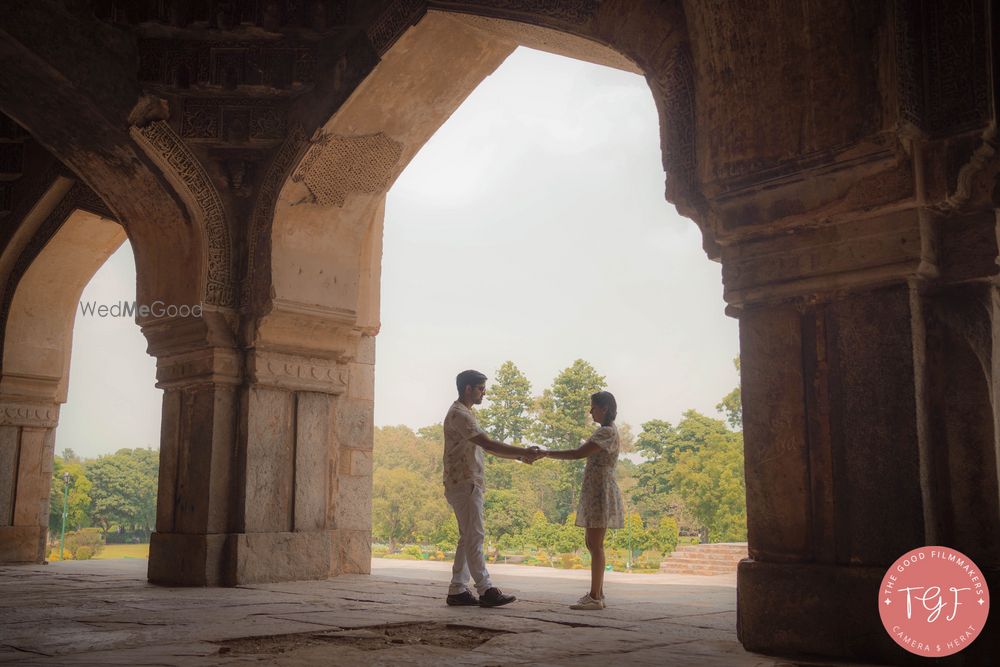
27,442
265,457
196,511
868,420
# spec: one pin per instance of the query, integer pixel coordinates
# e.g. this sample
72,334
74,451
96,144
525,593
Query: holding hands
532,454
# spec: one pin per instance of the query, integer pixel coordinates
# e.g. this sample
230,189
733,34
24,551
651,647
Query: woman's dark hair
606,400
465,378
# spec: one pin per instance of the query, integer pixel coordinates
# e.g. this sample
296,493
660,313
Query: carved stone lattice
338,166
167,148
399,16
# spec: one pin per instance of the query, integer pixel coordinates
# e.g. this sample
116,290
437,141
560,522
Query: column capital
280,370
31,414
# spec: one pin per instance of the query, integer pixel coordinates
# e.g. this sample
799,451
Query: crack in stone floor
370,638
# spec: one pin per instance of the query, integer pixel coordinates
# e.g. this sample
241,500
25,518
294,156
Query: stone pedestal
27,440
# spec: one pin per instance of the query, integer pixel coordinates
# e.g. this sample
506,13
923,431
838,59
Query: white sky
531,227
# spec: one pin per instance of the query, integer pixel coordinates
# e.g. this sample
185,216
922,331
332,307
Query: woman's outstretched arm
588,448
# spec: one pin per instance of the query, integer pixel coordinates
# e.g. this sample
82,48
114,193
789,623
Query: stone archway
839,158
36,356
324,265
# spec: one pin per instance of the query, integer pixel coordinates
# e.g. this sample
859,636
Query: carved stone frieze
30,414
337,166
233,119
676,84
957,64
177,160
296,373
393,22
227,64
562,11
215,365
849,255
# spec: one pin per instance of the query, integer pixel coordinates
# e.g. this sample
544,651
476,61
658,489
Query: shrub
649,559
379,550
570,561
413,551
665,535
89,538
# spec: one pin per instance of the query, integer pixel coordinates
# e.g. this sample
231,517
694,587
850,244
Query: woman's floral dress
600,499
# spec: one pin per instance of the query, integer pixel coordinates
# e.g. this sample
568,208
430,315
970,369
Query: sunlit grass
111,551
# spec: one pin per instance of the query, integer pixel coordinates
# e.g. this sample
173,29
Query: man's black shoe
463,599
494,597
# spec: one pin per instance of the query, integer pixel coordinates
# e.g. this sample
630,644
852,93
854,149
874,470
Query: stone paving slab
105,613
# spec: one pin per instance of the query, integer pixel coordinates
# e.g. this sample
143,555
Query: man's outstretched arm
501,449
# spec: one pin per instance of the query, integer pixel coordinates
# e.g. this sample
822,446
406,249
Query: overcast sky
531,227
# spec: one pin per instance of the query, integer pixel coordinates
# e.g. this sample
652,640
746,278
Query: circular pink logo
933,601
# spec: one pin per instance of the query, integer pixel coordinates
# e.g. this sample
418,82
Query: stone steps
705,559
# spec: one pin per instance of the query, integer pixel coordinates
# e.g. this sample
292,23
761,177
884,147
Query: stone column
265,458
868,423
27,442
196,511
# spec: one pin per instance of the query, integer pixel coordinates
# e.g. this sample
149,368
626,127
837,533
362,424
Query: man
464,486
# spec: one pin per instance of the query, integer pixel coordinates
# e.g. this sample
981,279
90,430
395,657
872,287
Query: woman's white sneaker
588,603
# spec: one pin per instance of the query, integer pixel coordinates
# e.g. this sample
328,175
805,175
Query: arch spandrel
327,217
39,329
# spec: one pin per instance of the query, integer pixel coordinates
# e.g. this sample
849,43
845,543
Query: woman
600,500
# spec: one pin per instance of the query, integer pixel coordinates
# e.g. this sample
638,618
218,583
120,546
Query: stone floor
104,613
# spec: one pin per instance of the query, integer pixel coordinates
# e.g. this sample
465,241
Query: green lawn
123,551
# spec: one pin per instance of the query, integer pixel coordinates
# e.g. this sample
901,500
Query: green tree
732,405
405,506
541,533
507,417
633,534
664,536
569,538
400,447
78,500
563,422
505,516
123,494
711,480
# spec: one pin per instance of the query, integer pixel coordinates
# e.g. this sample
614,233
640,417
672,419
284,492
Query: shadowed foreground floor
104,612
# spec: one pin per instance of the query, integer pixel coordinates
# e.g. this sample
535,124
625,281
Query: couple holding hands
600,505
